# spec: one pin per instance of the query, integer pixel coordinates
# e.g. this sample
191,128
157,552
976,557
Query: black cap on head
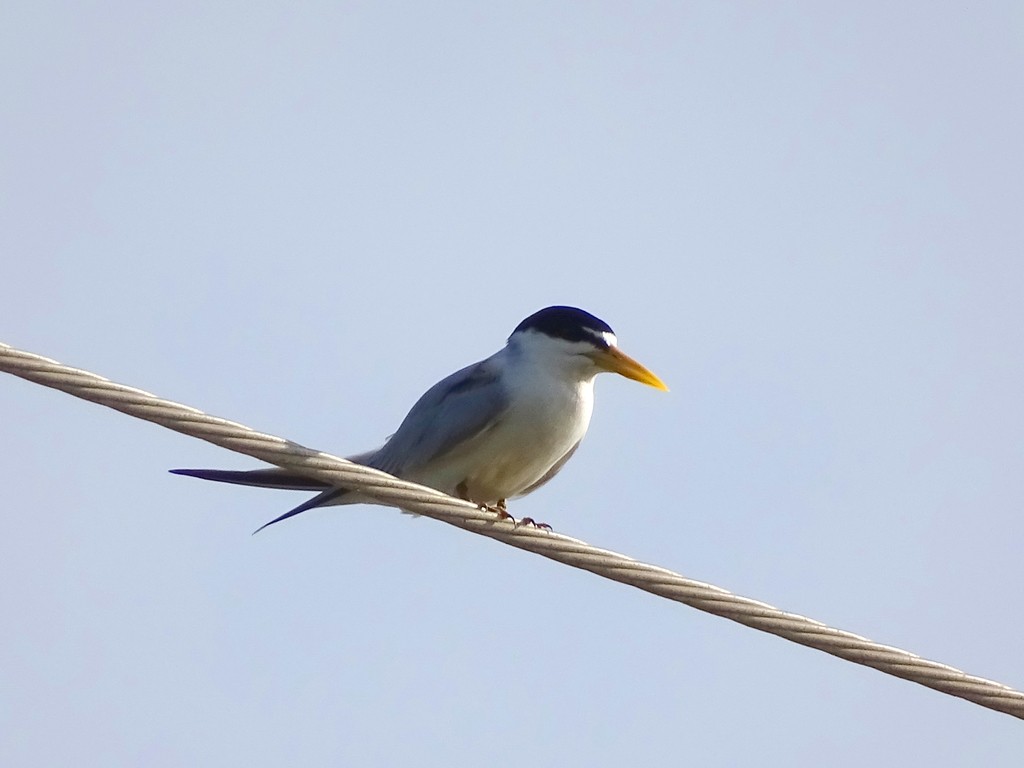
567,323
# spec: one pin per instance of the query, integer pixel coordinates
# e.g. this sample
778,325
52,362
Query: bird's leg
462,491
501,510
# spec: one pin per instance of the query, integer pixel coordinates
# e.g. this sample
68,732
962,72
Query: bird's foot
534,523
500,510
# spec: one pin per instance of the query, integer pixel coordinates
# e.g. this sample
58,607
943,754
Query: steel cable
391,491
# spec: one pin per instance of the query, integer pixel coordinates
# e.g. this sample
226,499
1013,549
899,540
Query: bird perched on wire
495,430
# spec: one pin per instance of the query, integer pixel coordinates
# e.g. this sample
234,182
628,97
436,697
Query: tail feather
285,479
317,501
272,478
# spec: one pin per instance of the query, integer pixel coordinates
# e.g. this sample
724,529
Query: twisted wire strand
391,491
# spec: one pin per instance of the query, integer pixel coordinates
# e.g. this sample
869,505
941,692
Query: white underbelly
520,450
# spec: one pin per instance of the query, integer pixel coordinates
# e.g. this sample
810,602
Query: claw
534,523
499,510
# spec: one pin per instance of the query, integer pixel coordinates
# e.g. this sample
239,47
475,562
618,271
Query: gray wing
454,410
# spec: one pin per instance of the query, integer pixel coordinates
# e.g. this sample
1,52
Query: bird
495,430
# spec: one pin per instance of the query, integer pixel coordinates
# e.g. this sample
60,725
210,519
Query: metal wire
431,503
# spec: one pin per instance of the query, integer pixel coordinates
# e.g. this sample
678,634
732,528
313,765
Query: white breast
546,418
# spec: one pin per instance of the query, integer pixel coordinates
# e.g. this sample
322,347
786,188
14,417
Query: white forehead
609,338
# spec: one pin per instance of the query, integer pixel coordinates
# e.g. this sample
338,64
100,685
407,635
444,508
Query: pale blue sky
806,217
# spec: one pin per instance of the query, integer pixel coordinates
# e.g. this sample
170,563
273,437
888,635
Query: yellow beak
616,361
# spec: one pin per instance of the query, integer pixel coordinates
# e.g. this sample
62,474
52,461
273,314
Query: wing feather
453,411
